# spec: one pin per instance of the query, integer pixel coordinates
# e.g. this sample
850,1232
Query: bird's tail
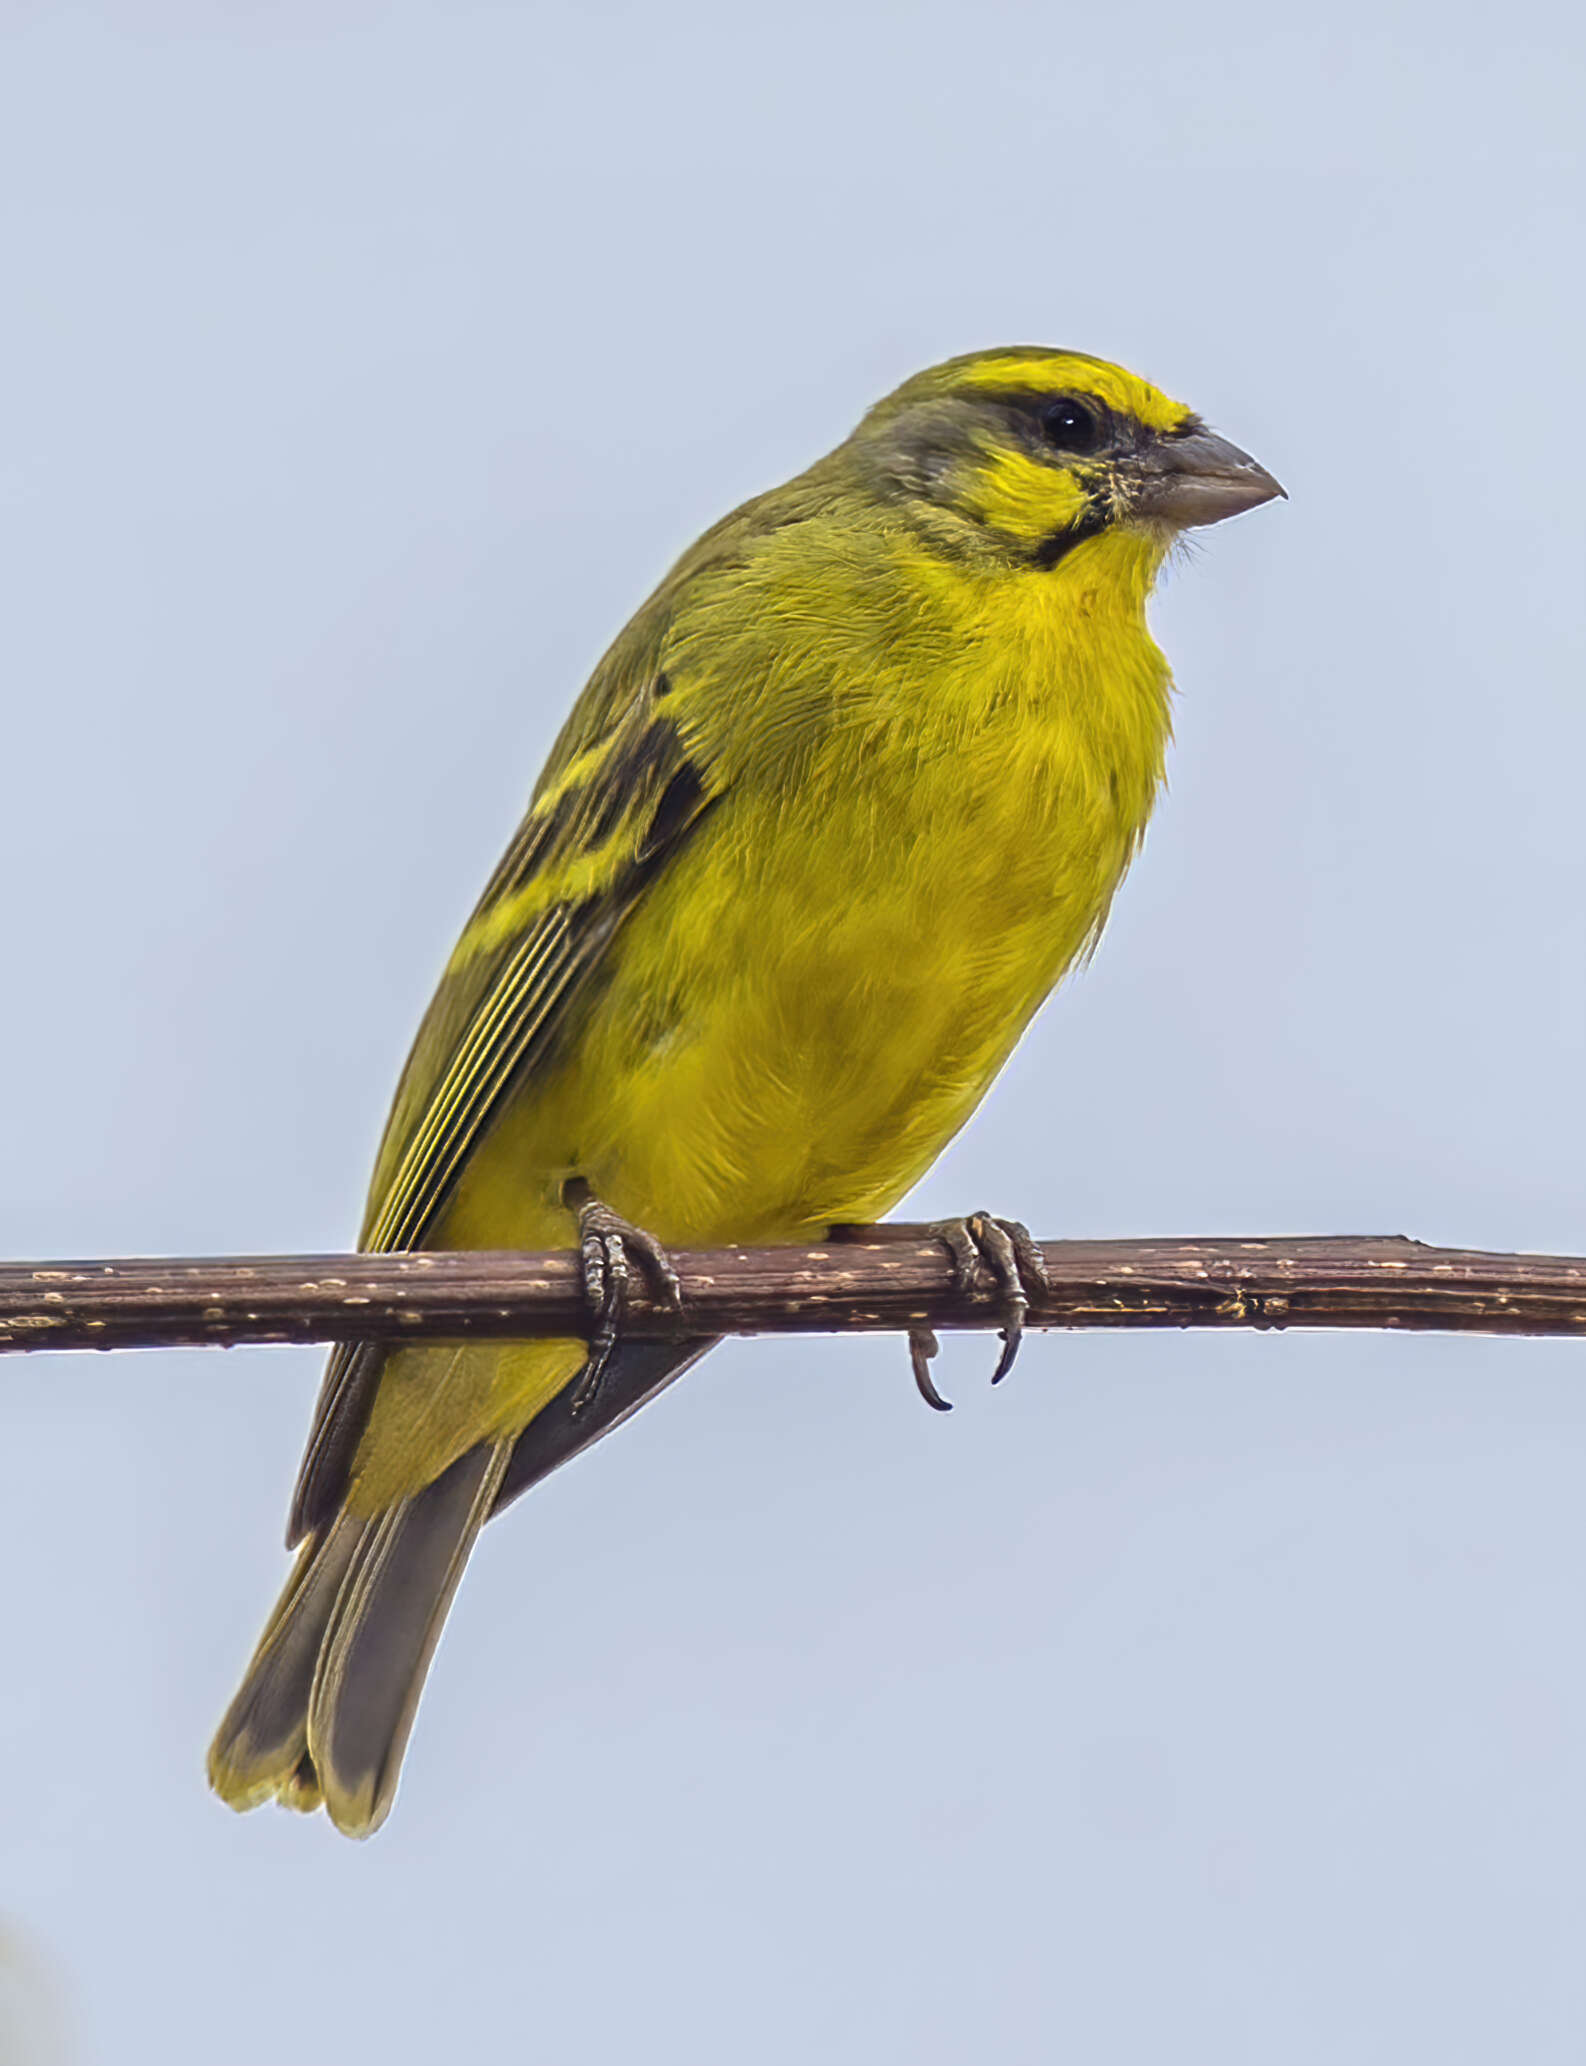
323,1713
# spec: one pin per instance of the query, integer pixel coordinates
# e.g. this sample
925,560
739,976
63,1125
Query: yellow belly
803,1009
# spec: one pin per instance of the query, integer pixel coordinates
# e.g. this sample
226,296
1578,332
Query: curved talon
923,1345
1014,1261
1012,1338
606,1242
995,1243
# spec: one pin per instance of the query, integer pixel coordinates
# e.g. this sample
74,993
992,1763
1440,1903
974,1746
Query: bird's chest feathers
925,830
1007,786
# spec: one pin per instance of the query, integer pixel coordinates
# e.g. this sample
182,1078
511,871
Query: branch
883,1279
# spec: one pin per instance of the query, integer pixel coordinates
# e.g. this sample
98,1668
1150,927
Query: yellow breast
813,999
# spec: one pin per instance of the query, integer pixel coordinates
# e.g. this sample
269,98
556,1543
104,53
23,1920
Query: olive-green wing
606,820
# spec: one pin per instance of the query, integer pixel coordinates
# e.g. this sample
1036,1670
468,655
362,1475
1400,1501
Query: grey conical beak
1196,480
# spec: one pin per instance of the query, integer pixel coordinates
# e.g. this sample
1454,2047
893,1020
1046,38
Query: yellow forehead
1073,373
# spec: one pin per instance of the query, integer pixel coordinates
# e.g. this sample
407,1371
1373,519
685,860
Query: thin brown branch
883,1279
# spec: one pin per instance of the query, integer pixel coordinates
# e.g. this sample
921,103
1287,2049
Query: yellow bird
844,801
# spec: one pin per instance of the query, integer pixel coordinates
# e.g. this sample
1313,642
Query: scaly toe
1013,1260
610,1246
957,1237
657,1263
1027,1255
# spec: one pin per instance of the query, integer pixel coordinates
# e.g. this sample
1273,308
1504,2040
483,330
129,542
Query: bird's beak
1196,480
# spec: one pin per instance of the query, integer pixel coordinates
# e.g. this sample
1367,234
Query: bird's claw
1006,1250
609,1246
922,1347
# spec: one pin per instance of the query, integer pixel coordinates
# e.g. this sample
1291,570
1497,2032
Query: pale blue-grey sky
1214,1698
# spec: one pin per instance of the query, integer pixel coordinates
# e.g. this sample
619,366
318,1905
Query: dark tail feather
327,1702
264,1735
325,1708
382,1633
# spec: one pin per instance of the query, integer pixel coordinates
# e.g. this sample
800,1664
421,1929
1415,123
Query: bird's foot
1016,1265
1004,1247
610,1247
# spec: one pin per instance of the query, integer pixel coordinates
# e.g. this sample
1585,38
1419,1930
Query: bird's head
1026,453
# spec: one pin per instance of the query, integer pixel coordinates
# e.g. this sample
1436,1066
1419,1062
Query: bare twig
881,1279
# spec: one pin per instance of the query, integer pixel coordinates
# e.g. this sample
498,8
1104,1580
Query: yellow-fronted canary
839,807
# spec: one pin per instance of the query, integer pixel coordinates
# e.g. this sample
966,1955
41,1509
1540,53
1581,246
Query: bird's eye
1070,425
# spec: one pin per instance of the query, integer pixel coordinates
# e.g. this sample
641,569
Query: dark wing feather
593,840
637,1372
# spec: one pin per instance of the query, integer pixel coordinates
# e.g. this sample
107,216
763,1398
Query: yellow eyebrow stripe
1074,373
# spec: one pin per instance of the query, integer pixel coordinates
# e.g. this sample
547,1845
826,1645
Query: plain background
1213,1698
